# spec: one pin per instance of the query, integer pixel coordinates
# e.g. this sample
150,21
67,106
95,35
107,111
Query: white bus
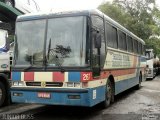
3,41
77,58
152,63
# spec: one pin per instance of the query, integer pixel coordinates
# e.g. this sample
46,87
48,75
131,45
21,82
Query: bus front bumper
59,96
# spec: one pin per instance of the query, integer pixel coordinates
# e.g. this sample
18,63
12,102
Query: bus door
98,45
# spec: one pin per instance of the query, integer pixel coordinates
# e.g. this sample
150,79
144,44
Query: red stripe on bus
29,76
115,73
120,72
58,77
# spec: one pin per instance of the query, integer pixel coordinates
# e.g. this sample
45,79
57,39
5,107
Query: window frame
104,52
128,47
111,34
124,42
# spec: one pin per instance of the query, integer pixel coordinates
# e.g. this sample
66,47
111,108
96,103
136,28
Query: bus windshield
30,42
149,55
65,40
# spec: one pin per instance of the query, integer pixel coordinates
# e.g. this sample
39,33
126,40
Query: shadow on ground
78,113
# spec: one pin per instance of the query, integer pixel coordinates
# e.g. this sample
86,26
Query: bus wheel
139,84
109,95
9,3
2,94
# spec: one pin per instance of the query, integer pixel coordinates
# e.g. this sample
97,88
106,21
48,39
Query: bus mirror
98,40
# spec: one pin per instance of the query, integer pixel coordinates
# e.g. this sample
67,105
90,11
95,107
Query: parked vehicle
4,41
5,60
25,6
57,64
152,63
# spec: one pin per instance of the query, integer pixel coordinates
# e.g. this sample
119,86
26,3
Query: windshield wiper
49,49
31,62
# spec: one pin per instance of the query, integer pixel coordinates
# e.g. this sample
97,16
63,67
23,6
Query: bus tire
2,93
109,94
140,81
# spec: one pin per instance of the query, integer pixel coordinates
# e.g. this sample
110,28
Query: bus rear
52,62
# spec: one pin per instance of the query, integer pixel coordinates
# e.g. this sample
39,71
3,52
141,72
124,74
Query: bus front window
30,42
66,41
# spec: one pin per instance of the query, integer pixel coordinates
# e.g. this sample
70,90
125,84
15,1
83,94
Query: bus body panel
4,41
59,95
143,69
90,97
125,68
124,79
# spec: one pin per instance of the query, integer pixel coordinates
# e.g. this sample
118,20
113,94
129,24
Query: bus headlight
18,83
15,83
78,85
72,84
21,83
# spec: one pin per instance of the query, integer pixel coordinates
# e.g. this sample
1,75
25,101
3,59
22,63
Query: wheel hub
109,92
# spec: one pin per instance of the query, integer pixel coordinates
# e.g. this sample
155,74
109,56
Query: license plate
44,95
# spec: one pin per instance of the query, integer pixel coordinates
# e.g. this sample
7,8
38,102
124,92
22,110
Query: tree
141,17
154,43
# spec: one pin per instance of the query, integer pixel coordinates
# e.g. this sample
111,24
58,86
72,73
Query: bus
5,60
4,41
74,58
152,64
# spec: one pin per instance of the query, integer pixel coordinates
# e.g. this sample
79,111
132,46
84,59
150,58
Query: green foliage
154,43
114,12
141,17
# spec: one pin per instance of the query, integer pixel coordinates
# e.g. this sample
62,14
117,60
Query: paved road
143,104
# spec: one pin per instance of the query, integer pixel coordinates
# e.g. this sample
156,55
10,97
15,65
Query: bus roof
40,15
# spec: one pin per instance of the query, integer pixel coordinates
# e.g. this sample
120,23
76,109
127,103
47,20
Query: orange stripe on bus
115,73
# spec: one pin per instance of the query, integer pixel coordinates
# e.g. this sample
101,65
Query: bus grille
48,84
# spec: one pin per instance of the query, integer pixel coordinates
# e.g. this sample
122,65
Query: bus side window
135,46
98,25
129,44
137,50
112,38
143,50
140,48
122,40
